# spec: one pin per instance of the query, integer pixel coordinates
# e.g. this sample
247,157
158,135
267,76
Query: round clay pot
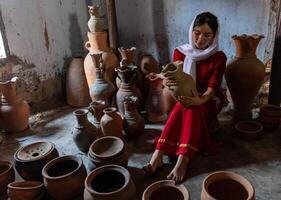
112,123
270,116
248,130
165,189
64,177
226,185
148,65
7,175
21,190
109,182
30,159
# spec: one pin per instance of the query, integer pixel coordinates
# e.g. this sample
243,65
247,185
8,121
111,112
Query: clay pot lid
170,190
26,185
5,166
34,151
106,147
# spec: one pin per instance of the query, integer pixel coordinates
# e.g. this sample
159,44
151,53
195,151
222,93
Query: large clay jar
14,112
226,185
133,122
84,132
21,190
270,116
101,89
77,90
165,189
7,175
112,123
64,177
30,159
244,75
97,44
155,107
109,182
96,22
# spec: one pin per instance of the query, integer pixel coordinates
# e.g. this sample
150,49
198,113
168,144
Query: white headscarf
192,54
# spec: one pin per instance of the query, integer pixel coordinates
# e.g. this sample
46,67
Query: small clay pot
165,189
64,177
109,182
226,185
7,175
30,159
249,130
112,123
270,116
21,190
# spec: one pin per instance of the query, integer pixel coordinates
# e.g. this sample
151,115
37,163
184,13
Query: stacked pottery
7,175
133,122
30,159
109,182
165,189
96,22
14,112
21,190
270,116
64,177
244,75
111,123
84,132
107,150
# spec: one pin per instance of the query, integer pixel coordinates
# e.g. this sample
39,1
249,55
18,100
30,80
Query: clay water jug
112,123
244,75
96,22
14,112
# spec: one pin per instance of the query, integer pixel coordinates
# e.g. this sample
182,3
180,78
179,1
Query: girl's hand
190,101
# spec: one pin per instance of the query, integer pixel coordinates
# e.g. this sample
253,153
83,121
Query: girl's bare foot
179,171
155,162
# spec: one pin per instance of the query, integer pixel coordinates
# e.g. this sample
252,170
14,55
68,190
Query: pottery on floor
270,116
7,175
23,190
249,130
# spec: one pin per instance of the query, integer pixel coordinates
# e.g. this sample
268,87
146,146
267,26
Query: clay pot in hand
226,185
22,190
84,132
30,159
7,175
165,189
270,116
96,22
111,123
109,182
248,130
244,75
64,177
77,90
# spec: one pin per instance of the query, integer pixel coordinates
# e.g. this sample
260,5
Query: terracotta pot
155,107
149,65
127,54
21,190
109,182
7,175
226,185
165,189
97,44
270,116
30,159
111,123
64,177
14,112
249,130
84,133
96,22
244,75
77,90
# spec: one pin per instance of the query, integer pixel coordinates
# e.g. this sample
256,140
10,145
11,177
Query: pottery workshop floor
259,161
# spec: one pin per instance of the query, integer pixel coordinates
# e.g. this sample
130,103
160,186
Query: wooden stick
112,23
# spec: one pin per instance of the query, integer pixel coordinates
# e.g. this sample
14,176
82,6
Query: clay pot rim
165,183
239,125
13,79
17,159
170,71
80,112
19,185
97,103
123,49
102,169
272,110
99,161
246,36
6,163
58,160
109,110
215,176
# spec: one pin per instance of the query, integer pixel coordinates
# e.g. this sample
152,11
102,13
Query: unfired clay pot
7,175
270,116
96,22
77,90
249,130
109,182
23,190
64,177
112,123
14,112
244,75
226,185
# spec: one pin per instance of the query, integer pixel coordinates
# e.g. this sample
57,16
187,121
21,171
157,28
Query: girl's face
202,36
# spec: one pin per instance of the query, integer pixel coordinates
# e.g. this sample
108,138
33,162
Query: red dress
186,130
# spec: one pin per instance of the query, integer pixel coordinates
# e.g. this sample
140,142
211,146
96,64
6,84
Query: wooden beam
112,23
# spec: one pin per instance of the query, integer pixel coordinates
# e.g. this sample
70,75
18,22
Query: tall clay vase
111,123
20,190
7,175
77,90
14,112
84,132
133,122
101,89
155,107
244,75
97,44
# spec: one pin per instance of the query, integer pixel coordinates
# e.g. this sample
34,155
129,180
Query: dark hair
207,18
